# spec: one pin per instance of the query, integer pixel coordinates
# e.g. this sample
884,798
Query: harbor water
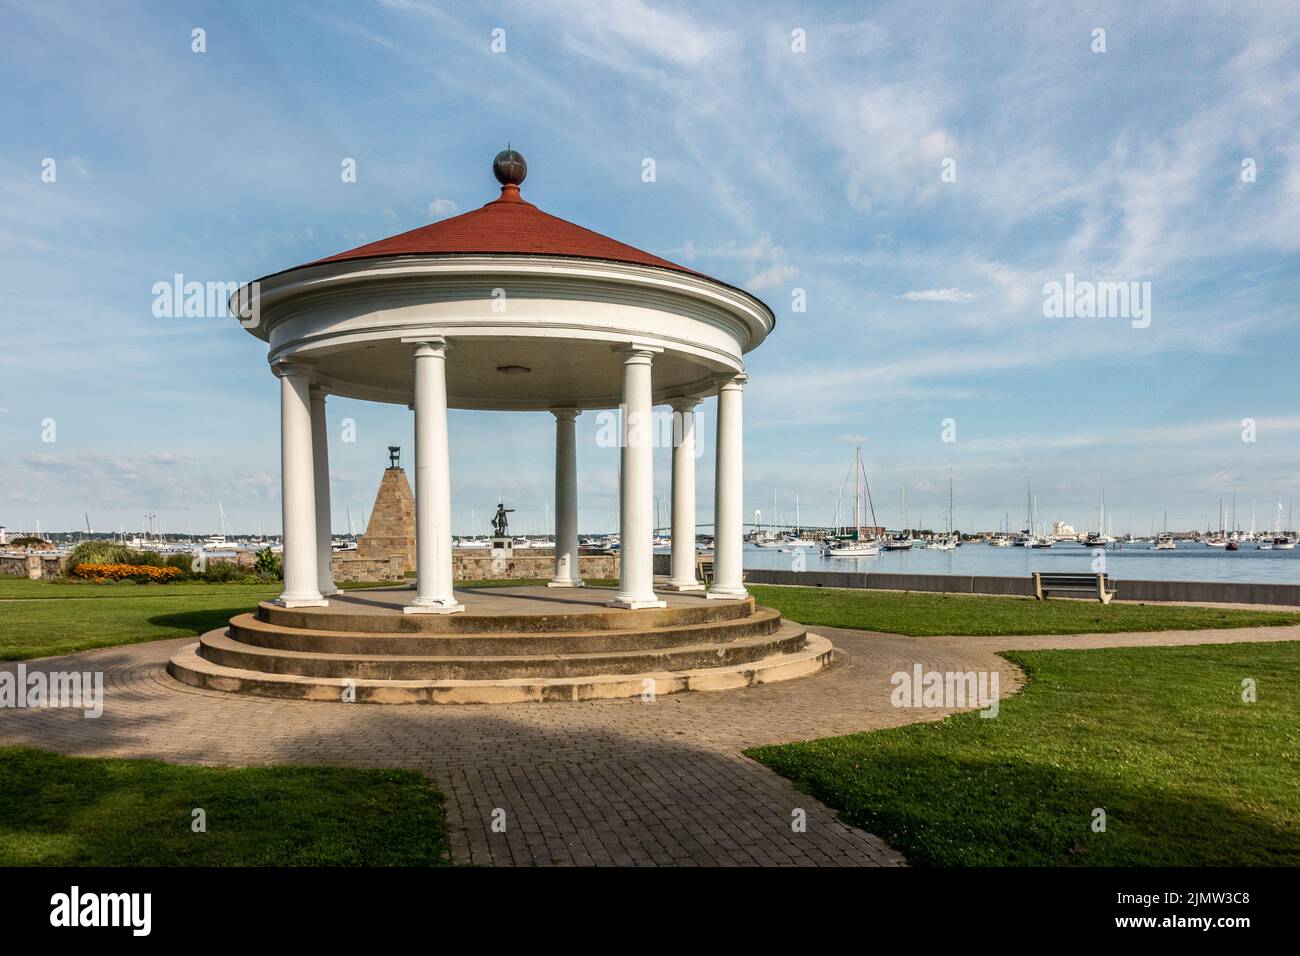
1191,561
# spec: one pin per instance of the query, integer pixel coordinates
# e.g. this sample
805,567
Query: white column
433,586
320,459
636,488
682,569
297,489
567,572
728,492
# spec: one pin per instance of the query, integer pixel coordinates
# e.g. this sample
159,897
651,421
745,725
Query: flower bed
142,573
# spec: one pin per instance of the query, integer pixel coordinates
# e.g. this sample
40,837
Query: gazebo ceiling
507,373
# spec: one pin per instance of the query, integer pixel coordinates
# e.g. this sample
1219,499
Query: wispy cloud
938,295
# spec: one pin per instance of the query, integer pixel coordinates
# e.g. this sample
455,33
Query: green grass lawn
73,811
1159,738
42,618
921,614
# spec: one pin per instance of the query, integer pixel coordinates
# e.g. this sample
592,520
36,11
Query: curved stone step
248,629
188,667
337,617
220,648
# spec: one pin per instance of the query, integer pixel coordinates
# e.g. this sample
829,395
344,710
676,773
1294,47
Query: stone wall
477,564
530,563
35,567
349,567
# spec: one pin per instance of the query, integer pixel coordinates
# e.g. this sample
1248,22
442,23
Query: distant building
1063,530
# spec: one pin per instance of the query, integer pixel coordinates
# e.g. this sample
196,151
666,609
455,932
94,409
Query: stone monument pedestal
503,548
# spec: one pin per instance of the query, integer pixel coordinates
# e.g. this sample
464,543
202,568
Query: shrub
182,562
223,572
103,552
269,566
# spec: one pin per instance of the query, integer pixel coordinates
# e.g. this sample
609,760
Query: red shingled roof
507,225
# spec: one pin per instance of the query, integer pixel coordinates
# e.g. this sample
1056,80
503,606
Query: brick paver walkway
605,782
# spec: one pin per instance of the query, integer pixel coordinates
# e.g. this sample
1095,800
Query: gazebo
507,308
510,308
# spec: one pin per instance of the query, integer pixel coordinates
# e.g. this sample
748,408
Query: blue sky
776,170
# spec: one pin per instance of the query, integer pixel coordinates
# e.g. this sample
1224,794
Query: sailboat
799,541
1284,541
769,537
1036,540
946,541
852,544
1221,539
218,542
1099,538
902,541
1003,538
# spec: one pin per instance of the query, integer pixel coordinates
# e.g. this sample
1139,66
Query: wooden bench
1093,585
704,569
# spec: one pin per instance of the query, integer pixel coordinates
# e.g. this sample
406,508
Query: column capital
684,403
433,344
736,381
637,353
566,414
318,392
291,368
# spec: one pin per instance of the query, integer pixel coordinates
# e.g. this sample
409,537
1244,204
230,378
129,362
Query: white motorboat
1165,542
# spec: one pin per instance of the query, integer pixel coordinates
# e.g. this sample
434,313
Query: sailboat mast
857,493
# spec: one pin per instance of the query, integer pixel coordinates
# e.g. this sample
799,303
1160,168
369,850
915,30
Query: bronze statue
500,522
394,453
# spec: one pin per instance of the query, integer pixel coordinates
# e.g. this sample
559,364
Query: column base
433,607
329,591
288,600
564,583
726,594
687,586
635,603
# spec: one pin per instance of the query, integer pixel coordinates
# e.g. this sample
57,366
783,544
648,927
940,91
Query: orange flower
100,573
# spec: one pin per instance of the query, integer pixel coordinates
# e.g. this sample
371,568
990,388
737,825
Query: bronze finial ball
509,167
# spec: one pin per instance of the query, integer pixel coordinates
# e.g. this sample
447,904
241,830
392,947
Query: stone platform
510,645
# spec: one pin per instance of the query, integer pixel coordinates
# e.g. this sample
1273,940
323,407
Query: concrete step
339,617
190,668
221,648
249,629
